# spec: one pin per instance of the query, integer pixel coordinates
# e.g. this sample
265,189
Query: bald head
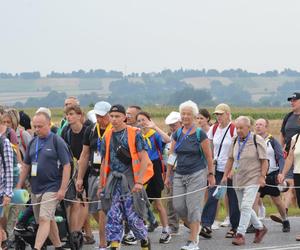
41,124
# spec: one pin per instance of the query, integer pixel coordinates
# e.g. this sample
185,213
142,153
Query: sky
148,36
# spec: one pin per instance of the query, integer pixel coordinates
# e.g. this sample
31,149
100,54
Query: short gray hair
189,104
244,119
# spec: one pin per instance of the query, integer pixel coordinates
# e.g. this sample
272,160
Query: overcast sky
152,35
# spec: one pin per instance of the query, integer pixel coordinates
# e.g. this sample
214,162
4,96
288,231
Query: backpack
231,129
16,169
272,142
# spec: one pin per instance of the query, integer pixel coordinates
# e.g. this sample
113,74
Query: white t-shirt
217,138
296,154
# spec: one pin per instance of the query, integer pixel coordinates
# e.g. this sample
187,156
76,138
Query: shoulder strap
254,140
285,119
232,127
159,153
22,139
215,128
8,133
92,131
293,148
178,132
2,154
198,133
221,143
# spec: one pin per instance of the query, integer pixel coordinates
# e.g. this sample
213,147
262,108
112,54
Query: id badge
236,166
34,169
97,158
172,159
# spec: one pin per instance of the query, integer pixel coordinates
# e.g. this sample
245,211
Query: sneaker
226,222
276,218
239,240
286,228
205,232
190,245
251,229
215,225
261,212
129,239
259,234
20,227
115,245
152,227
165,238
146,244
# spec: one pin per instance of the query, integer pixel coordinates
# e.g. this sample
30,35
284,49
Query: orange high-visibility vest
136,164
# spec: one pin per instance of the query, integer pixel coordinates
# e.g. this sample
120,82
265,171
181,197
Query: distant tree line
175,74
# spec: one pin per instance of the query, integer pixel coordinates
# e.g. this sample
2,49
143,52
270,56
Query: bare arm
83,161
24,173
228,168
164,136
66,176
65,181
205,144
281,140
169,167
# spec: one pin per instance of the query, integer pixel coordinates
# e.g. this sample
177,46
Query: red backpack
231,129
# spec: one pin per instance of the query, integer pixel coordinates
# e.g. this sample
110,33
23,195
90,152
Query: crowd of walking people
115,164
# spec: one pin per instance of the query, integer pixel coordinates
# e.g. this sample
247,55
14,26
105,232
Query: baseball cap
102,108
295,96
44,110
118,108
172,118
222,108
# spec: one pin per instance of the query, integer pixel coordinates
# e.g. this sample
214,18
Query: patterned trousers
122,209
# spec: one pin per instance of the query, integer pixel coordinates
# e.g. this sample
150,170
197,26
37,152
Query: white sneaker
261,212
226,222
190,245
215,225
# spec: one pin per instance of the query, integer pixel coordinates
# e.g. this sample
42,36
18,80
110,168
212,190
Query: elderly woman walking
248,160
191,149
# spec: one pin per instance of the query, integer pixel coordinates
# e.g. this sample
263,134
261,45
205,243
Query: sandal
205,232
88,240
231,233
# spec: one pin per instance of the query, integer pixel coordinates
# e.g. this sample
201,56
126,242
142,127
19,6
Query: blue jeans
210,208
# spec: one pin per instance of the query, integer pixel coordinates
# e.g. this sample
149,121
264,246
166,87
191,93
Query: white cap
91,116
44,110
173,117
102,108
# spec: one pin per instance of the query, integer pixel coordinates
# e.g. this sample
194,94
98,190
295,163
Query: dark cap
295,96
117,108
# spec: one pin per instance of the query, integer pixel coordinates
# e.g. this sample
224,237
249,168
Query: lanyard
100,138
180,142
241,147
37,149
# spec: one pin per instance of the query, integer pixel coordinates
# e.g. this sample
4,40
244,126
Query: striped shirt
6,175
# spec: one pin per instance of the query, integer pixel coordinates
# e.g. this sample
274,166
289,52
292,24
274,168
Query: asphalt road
274,239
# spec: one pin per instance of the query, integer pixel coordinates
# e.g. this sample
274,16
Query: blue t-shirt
190,158
122,137
50,161
156,144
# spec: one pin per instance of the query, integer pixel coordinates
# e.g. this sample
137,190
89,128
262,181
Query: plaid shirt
6,176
